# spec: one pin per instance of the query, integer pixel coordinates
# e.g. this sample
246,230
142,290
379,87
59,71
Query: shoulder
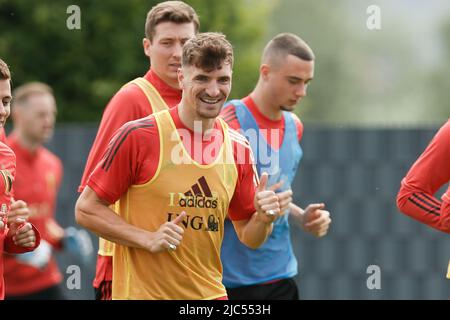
144,126
6,152
241,148
128,96
7,158
298,125
228,114
445,131
51,158
237,138
137,132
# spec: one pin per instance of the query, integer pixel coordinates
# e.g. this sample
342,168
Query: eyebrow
297,78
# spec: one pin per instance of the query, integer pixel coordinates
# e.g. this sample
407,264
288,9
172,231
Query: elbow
80,215
401,201
445,216
254,242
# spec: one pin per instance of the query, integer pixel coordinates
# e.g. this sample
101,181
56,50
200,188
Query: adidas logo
199,196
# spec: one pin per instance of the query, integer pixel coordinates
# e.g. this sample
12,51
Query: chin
288,108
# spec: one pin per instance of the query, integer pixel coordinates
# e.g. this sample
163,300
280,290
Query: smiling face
165,48
5,95
205,92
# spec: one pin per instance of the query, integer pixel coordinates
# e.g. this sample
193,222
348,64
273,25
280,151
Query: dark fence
357,174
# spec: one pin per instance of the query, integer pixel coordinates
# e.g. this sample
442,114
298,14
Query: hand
266,201
168,236
39,258
3,220
19,209
78,243
23,233
284,199
315,220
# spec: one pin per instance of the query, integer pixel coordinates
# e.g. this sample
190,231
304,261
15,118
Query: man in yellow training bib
175,176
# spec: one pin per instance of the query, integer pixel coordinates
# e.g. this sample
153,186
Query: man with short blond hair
265,117
36,275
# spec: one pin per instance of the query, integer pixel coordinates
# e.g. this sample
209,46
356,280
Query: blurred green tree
86,67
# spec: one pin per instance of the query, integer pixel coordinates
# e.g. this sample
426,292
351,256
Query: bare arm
313,219
94,214
255,231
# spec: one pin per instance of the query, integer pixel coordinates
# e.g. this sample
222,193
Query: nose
212,89
49,120
300,91
177,50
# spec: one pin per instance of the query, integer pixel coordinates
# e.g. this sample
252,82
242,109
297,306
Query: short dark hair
5,74
287,44
207,51
172,11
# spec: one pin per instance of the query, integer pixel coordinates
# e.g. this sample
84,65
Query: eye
224,80
201,78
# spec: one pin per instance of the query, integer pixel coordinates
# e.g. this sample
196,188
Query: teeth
210,101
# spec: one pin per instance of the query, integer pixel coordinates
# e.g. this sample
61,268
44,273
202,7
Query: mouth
211,101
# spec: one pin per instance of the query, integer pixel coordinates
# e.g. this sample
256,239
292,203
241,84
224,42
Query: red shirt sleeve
10,247
129,104
429,173
130,159
242,206
228,114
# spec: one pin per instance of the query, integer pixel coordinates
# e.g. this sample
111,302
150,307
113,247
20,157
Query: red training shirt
37,181
129,103
8,167
229,115
429,173
136,160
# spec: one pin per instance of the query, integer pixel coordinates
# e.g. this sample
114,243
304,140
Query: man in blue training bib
265,117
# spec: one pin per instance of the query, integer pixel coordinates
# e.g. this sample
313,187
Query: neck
264,102
26,143
192,121
173,83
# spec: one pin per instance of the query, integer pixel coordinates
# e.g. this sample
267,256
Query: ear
180,75
146,43
264,71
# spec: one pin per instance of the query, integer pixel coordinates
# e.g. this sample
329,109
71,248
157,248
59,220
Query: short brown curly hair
208,51
5,74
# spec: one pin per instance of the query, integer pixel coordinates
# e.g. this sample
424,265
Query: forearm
100,219
425,208
296,213
255,232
